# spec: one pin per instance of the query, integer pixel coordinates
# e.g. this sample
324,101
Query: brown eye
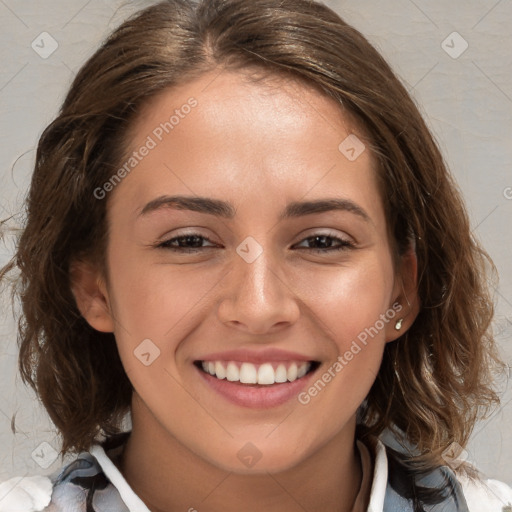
326,243
185,243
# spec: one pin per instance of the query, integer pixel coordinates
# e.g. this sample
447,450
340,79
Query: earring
398,324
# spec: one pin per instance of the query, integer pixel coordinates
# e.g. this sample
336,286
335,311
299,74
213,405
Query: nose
258,297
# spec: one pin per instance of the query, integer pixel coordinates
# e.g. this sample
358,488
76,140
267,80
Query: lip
256,356
256,396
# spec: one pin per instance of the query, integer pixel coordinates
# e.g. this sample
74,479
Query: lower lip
254,396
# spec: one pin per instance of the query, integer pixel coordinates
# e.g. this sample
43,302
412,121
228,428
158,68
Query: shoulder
441,488
25,493
76,487
486,495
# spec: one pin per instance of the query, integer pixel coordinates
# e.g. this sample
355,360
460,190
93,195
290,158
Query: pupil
322,237
191,239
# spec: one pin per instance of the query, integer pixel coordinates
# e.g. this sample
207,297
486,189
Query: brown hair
435,380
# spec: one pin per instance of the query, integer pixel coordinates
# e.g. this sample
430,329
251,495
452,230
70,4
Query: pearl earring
398,324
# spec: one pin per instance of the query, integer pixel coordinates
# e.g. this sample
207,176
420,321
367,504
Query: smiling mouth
265,374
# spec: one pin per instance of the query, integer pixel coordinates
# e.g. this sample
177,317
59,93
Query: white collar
131,500
380,478
135,504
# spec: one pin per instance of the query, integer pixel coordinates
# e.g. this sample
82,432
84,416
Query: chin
249,458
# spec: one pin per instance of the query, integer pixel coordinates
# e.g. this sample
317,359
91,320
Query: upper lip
256,356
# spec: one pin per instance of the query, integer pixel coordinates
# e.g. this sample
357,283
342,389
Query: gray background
467,102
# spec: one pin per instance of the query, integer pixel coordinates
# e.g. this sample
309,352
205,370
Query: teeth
281,373
232,372
248,373
301,371
292,372
219,370
266,374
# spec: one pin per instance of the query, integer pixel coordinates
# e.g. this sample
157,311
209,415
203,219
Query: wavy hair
435,381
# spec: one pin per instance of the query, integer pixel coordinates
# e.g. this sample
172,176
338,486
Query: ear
91,296
406,301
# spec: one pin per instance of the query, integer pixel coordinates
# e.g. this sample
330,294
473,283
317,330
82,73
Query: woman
241,232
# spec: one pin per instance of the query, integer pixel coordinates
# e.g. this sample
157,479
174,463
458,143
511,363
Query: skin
258,146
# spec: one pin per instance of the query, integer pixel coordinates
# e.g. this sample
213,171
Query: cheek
349,299
152,300
352,310
174,305
162,303
156,296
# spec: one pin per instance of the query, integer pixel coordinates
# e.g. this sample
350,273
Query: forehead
266,140
249,103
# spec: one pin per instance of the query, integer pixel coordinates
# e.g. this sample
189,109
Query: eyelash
344,244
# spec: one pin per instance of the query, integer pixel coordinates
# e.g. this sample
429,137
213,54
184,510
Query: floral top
92,483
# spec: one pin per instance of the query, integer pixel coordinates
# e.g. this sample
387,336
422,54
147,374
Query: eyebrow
226,210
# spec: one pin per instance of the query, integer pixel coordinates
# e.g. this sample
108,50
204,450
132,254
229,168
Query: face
275,273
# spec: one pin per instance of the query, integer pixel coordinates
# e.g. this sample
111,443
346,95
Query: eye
326,241
185,243
193,242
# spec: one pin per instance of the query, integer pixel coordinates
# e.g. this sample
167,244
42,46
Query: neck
167,476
